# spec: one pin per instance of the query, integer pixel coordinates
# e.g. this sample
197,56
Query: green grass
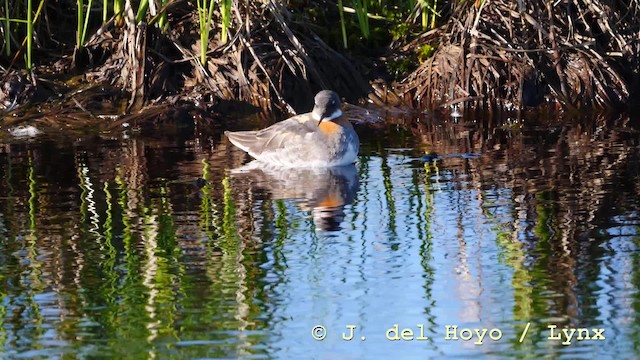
205,12
391,12
225,9
364,24
7,29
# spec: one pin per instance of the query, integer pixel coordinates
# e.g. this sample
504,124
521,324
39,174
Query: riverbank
274,56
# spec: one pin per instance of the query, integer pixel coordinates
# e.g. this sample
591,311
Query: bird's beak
325,115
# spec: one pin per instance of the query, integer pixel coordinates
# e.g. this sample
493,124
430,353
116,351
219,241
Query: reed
7,29
83,22
163,22
434,13
205,12
428,12
360,7
225,9
80,17
29,62
118,8
342,25
142,10
389,11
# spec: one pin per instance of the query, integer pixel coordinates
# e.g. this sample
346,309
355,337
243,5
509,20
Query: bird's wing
290,131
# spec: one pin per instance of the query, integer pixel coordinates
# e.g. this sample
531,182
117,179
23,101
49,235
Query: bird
320,138
322,191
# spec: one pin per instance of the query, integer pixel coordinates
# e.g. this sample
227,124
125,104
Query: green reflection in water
131,319
162,271
543,311
28,322
230,238
3,316
425,220
209,217
107,287
512,254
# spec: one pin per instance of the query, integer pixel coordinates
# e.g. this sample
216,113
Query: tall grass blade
226,19
142,10
428,11
105,8
433,14
29,34
86,23
425,14
363,20
118,10
342,24
7,29
205,12
163,22
80,4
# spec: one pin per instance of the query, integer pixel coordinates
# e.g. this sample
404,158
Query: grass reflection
127,259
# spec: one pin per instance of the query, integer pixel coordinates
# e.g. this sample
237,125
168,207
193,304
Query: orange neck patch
333,127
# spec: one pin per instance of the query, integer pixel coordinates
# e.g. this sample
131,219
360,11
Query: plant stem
433,15
118,6
7,29
29,34
342,24
226,19
142,10
86,23
80,5
363,20
205,11
162,23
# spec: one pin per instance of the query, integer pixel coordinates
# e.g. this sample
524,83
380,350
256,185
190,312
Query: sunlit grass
342,25
163,22
225,9
205,12
118,8
142,10
366,17
29,22
29,62
388,11
363,19
7,29
83,21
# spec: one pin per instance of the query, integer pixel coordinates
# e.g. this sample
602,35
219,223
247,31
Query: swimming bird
321,138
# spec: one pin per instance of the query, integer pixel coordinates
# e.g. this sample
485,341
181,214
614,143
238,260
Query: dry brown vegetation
270,60
489,54
514,53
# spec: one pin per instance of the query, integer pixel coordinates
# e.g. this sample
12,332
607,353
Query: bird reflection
323,191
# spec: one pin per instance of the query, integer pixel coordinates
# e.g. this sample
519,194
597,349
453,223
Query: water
114,247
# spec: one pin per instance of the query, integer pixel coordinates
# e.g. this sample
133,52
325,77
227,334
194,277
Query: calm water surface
112,247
